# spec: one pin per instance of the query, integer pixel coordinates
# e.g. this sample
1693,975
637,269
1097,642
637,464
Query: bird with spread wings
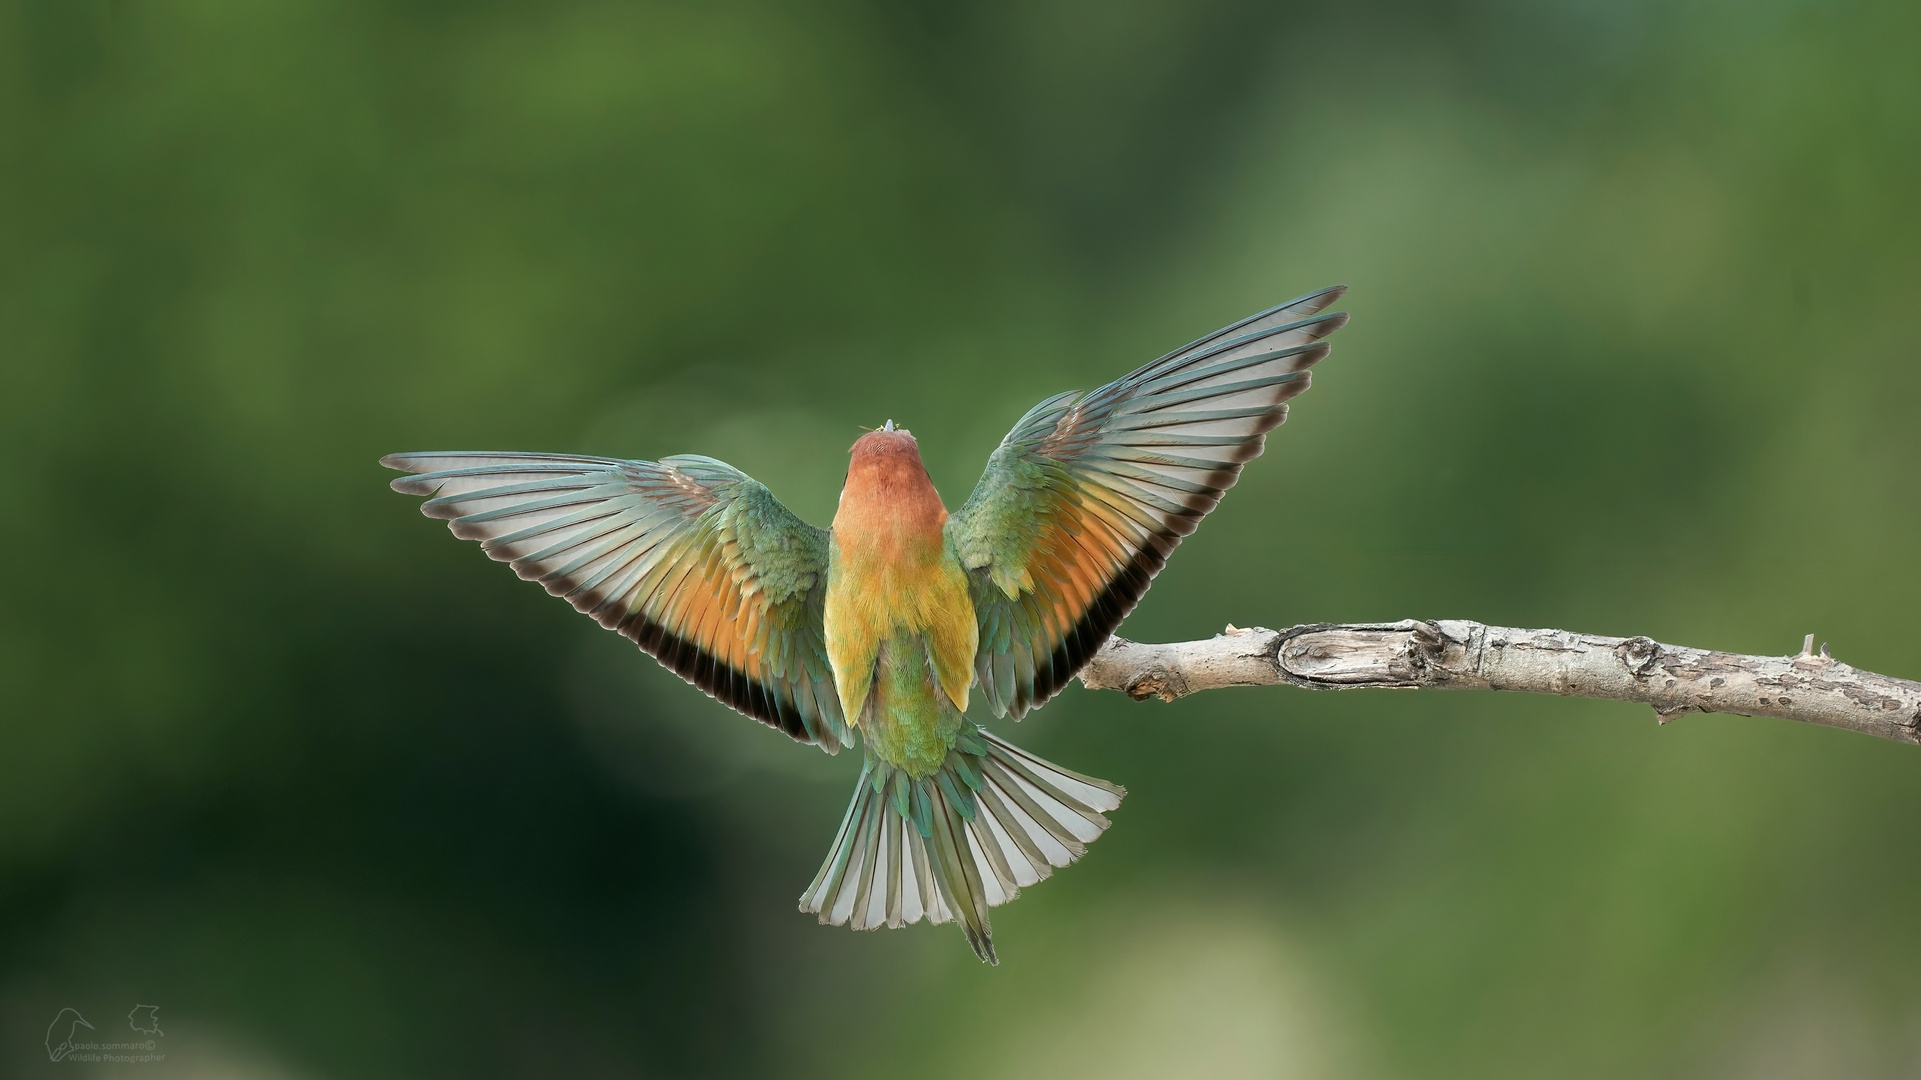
891,621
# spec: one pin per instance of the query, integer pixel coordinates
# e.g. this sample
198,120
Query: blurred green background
1636,297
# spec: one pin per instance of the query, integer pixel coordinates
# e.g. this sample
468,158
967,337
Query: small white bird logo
58,1050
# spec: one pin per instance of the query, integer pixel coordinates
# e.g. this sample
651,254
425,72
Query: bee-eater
886,623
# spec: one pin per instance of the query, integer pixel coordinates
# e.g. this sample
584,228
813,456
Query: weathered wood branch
1446,653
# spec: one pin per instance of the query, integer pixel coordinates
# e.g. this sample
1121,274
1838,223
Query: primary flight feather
888,623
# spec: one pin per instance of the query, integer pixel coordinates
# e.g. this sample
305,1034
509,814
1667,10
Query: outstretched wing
1084,499
690,557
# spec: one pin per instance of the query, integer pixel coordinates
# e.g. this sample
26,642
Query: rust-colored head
888,490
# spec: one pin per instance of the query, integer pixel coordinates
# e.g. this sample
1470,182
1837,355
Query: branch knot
1640,654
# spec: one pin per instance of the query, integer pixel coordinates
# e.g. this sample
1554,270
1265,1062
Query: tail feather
946,848
960,881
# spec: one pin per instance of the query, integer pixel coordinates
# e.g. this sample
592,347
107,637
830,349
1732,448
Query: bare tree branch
1446,653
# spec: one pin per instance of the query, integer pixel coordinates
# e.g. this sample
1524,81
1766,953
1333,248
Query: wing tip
413,462
1323,296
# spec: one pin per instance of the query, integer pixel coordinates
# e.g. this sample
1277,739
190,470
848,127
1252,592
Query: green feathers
908,723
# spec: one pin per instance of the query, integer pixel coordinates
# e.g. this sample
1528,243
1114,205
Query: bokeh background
1636,296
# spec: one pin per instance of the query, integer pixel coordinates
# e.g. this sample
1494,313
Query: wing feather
695,561
1089,493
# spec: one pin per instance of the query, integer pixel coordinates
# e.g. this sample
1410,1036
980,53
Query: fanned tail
947,847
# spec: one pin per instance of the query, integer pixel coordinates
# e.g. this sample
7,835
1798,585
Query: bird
893,622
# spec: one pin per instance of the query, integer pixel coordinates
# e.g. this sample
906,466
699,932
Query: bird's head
884,468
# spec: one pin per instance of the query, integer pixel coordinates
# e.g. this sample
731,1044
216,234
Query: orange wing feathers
696,562
1084,500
